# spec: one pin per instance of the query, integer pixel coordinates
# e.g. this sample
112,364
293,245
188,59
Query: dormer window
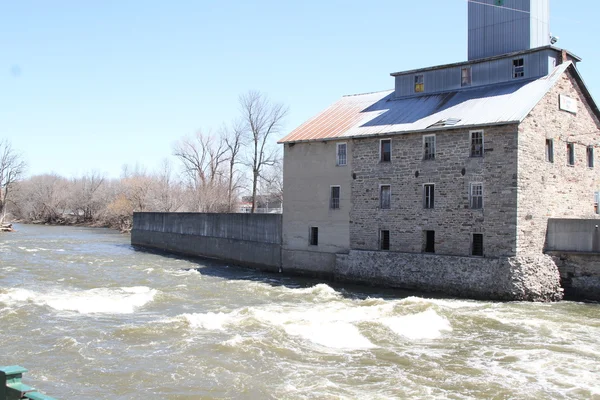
465,77
419,84
518,68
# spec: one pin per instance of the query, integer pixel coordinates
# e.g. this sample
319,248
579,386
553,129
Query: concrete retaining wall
532,278
252,240
581,235
580,274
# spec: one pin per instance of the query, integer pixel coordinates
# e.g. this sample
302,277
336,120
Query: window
419,84
428,195
341,154
313,238
429,245
429,147
476,196
465,77
477,245
596,199
518,68
550,150
571,153
384,240
385,150
385,197
334,202
477,144
590,156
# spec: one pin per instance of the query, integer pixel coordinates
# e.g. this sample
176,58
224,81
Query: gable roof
374,114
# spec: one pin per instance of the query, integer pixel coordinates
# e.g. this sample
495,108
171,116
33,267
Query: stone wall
555,190
252,240
452,219
531,278
580,274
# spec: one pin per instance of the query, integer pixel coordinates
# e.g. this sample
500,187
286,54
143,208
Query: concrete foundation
580,274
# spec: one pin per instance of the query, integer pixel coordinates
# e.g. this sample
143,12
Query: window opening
334,204
477,144
550,150
429,242
429,195
590,156
386,150
419,84
384,240
518,68
341,154
314,236
385,197
429,147
477,245
571,153
476,195
465,76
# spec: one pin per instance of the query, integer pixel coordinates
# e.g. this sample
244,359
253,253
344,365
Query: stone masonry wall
530,278
452,219
555,190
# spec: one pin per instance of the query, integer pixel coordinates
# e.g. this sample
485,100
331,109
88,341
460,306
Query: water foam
209,321
425,325
125,300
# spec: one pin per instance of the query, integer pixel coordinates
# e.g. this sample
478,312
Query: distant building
265,204
450,178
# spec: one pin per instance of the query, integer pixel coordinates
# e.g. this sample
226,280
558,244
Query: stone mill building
448,181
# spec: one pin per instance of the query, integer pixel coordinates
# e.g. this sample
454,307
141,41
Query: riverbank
73,222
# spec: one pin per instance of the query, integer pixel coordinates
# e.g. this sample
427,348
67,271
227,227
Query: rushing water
93,319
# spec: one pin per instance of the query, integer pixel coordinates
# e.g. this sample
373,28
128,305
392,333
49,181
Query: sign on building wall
567,103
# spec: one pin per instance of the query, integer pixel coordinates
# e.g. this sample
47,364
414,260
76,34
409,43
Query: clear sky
92,85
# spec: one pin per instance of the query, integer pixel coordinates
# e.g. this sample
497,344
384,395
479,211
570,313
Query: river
91,318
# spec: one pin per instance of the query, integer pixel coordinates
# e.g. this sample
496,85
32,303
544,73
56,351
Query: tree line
209,172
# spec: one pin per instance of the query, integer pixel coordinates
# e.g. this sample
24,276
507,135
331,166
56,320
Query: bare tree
203,158
12,167
167,193
234,141
262,120
86,202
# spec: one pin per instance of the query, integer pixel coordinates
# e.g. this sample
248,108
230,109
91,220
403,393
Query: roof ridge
366,93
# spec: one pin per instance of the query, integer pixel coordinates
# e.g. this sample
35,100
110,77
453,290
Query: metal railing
11,387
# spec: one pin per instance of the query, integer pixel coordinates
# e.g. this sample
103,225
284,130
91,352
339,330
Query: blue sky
92,85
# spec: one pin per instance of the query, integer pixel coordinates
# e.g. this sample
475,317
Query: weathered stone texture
579,273
555,190
452,219
516,278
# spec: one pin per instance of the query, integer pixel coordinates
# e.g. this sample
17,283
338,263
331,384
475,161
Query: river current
91,318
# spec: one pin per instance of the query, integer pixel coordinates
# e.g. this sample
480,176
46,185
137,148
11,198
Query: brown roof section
335,120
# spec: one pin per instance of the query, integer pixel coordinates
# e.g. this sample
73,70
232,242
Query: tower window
590,156
477,144
385,197
429,147
313,236
477,245
334,202
550,150
384,240
341,150
419,83
385,152
465,76
428,195
476,196
429,242
518,68
571,153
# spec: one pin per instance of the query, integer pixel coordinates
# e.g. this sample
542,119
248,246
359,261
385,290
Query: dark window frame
313,236
550,150
429,196
477,142
384,240
383,204
429,147
589,152
429,241
385,155
339,155
571,154
518,66
477,245
475,199
334,202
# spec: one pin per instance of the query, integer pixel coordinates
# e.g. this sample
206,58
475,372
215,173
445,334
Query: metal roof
380,113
